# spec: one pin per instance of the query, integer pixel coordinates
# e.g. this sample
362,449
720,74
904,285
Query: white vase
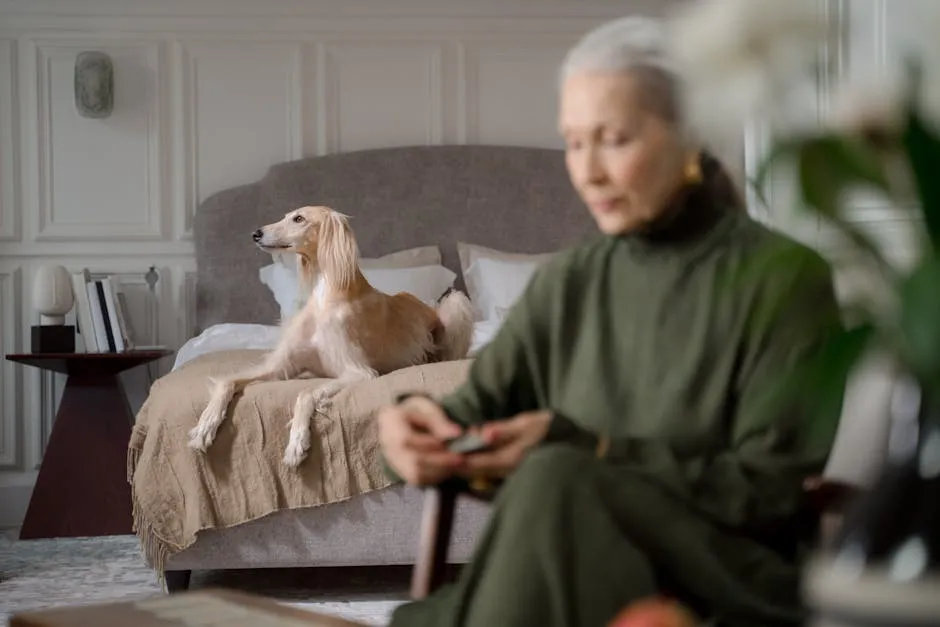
52,294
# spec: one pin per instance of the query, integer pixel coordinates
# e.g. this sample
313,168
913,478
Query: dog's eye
298,219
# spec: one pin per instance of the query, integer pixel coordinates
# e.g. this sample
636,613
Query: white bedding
233,336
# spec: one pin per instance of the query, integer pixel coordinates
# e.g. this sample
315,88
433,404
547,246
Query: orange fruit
654,612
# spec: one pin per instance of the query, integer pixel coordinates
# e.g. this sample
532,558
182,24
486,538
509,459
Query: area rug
38,574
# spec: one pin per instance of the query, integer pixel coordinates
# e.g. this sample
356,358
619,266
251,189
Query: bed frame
509,198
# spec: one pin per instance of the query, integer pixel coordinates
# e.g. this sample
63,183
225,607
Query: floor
69,571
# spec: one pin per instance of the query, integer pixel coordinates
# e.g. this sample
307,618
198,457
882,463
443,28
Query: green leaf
920,320
922,147
866,245
830,164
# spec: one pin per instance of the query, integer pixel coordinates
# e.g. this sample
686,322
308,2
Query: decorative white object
94,84
52,294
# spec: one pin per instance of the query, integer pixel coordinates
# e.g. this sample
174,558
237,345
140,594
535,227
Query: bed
465,213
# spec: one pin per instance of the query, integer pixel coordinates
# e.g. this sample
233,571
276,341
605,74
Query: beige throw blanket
178,492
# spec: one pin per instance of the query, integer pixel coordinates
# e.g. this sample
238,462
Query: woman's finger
432,419
500,433
424,442
418,468
499,461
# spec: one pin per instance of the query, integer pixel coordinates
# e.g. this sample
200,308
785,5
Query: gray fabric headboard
509,198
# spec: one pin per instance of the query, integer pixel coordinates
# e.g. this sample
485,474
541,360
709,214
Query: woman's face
624,160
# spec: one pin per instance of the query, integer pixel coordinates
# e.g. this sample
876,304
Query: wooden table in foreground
82,488
204,608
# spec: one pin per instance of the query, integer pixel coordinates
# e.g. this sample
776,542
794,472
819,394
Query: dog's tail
456,315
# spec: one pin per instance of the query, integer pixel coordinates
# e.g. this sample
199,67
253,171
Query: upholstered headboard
509,198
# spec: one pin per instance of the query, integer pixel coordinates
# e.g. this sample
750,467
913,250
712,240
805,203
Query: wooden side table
82,487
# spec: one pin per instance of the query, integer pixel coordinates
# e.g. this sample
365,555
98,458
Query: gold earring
693,170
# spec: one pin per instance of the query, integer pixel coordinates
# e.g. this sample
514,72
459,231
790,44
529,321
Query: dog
346,331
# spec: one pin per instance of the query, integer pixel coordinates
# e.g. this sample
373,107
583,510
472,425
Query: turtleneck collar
688,219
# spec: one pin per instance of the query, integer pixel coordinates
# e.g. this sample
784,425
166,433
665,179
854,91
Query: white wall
878,35
209,93
869,39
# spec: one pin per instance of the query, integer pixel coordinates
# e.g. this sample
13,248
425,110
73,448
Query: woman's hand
412,436
509,441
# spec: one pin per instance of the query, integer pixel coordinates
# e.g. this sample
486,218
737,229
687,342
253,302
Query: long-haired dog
347,330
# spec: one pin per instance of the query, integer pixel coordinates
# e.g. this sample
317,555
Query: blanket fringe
155,550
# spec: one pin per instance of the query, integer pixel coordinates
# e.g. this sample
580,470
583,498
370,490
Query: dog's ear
337,252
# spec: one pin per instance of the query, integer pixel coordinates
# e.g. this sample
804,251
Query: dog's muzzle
257,235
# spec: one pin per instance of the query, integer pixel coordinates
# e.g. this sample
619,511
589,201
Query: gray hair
639,46
634,45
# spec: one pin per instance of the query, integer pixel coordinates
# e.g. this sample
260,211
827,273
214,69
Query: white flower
742,58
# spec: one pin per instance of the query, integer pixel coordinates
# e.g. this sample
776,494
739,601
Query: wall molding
329,58
14,501
11,400
782,212
473,51
118,249
305,29
881,32
188,301
48,228
324,8
9,141
187,56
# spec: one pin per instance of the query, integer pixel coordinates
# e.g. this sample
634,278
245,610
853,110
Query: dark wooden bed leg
177,580
436,523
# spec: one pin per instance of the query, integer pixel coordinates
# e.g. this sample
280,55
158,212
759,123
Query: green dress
655,340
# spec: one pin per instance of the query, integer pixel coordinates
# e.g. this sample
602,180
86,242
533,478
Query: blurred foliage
829,165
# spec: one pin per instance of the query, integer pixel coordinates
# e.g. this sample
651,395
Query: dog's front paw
199,440
296,449
202,435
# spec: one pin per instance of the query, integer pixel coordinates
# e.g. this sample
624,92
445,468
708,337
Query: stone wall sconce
94,84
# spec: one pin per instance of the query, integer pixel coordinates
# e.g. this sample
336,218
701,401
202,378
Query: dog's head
320,235
298,231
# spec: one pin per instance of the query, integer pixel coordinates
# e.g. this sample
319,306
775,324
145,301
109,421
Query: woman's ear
692,170
337,252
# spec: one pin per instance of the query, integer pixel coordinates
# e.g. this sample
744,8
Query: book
97,317
84,323
115,334
101,313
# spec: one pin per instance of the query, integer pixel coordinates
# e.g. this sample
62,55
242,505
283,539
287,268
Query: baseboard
14,499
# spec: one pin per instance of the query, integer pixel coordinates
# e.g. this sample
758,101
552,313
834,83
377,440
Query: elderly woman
622,400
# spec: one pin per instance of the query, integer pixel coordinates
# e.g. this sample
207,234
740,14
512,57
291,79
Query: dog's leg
311,402
276,366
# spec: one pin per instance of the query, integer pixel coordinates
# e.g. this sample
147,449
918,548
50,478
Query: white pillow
281,276
496,279
427,283
282,280
483,333
408,258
